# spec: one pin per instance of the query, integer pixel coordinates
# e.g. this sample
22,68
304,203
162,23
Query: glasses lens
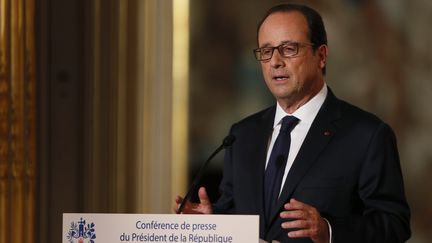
266,53
257,53
263,53
289,50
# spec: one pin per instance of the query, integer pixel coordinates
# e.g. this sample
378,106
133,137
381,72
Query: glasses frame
297,45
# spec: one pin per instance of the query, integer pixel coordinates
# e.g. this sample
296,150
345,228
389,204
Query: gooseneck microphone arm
228,141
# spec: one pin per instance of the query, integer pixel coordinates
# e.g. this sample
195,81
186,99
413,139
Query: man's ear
322,52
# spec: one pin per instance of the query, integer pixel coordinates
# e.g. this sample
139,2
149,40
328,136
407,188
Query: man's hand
204,207
306,221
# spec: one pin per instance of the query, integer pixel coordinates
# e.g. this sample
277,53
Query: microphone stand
228,141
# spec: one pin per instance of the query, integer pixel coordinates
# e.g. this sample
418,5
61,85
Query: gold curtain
17,121
147,85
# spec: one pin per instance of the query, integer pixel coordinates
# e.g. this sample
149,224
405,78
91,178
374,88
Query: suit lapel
320,133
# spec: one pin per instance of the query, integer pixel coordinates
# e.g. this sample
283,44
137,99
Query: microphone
228,141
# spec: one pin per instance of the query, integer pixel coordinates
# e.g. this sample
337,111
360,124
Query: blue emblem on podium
79,232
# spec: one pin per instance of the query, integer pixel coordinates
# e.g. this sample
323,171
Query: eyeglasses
288,49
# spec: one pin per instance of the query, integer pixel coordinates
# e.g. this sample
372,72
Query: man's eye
266,51
289,48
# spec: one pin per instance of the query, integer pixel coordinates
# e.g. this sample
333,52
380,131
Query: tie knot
288,123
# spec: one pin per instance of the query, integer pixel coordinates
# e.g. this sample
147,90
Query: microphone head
228,140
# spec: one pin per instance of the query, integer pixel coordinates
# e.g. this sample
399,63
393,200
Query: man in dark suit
339,179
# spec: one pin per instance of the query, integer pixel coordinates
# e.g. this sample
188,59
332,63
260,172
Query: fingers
203,197
204,207
205,204
298,210
302,233
294,204
178,201
306,220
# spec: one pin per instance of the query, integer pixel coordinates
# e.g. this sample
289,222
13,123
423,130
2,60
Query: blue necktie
276,164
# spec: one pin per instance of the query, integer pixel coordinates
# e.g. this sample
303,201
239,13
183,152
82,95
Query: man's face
292,80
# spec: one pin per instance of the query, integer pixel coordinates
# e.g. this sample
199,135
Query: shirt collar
307,112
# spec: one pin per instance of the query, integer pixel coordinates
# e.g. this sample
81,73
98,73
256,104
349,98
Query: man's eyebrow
281,43
265,45
288,42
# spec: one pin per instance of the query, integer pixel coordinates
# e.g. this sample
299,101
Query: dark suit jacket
348,168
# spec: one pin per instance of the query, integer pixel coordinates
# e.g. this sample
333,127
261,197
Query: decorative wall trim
17,121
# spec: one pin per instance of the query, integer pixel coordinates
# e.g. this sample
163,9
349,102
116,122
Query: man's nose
277,60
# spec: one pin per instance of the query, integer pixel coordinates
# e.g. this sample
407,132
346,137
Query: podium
115,228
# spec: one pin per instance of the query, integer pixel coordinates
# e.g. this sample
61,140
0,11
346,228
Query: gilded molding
17,121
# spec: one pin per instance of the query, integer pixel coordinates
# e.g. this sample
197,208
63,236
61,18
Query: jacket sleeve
386,214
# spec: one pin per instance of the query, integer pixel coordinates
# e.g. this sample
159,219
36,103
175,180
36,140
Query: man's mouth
280,78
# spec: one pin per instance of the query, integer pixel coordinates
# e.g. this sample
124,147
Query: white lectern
115,228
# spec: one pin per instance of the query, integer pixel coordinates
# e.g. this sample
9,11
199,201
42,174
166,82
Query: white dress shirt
306,115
